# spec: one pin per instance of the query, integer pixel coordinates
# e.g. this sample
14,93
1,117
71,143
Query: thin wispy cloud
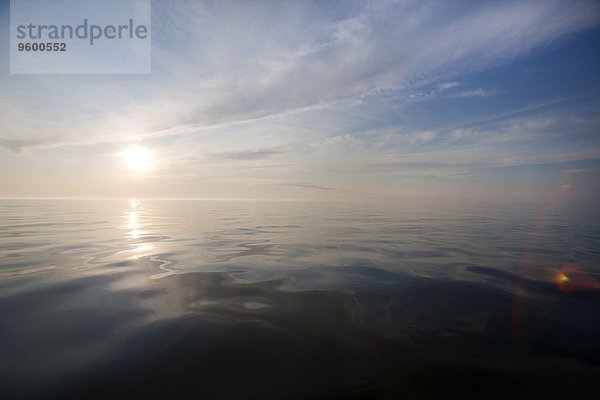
324,93
277,59
245,155
305,185
475,93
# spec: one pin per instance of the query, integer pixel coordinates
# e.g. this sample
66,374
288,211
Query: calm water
211,300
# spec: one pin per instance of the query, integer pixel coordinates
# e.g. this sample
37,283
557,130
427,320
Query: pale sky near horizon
323,100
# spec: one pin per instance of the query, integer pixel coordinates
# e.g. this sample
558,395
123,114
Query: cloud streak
305,185
319,100
245,155
277,59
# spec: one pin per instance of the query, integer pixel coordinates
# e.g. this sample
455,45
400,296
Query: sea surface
285,300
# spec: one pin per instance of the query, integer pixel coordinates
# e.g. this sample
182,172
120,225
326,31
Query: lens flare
561,278
570,278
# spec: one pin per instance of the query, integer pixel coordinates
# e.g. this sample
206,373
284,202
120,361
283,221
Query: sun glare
137,159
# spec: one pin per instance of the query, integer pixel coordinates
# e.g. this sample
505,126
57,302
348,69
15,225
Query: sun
137,159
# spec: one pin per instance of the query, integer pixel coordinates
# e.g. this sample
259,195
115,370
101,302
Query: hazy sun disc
137,159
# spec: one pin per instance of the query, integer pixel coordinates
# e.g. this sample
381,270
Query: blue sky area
324,100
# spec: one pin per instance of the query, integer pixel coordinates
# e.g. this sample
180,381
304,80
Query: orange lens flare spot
570,278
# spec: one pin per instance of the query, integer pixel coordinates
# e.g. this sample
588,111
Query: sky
490,100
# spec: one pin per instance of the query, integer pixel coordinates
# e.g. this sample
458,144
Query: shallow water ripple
294,299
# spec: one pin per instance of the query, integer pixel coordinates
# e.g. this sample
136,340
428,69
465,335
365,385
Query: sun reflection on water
133,220
141,251
135,230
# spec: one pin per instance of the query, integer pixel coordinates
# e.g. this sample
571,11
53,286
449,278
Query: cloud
435,91
580,170
338,140
245,155
475,93
270,182
421,137
18,145
524,141
276,58
305,185
515,130
442,87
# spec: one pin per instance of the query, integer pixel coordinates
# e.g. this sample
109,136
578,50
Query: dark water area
298,300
